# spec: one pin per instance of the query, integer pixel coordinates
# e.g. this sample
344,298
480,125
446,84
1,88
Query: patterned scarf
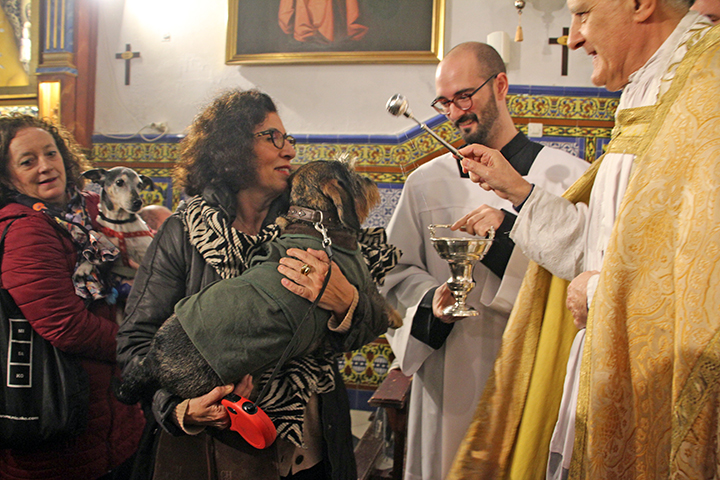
290,391
228,251
95,251
222,247
380,256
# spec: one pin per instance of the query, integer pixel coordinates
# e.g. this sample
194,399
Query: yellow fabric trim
697,392
631,127
487,448
535,431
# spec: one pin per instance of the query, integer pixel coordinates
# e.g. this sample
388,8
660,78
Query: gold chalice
461,254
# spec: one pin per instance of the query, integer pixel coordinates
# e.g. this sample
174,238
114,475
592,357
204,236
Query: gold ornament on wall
519,4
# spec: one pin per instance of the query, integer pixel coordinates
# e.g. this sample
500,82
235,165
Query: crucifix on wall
564,42
127,55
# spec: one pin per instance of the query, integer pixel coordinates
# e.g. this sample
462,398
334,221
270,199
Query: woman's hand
209,412
480,220
305,272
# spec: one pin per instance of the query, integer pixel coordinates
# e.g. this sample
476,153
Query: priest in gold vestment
640,236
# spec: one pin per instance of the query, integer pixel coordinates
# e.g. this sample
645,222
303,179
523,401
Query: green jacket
243,324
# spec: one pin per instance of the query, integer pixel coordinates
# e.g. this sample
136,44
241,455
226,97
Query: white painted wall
182,66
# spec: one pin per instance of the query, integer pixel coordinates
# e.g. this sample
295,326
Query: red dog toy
250,421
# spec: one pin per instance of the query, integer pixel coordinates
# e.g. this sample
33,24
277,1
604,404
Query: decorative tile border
364,370
109,150
577,120
22,109
557,106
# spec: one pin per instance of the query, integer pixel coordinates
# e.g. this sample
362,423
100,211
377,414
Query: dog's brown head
336,189
345,198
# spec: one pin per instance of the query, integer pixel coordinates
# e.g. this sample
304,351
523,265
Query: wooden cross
564,42
127,55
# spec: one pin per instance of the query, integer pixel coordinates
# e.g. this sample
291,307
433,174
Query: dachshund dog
243,324
119,203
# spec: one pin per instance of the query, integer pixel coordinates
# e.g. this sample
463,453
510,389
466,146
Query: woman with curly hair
235,165
40,185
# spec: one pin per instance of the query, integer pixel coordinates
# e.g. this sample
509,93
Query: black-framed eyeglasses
463,101
277,137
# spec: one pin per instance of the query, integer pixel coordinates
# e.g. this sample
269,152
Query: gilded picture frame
265,32
24,28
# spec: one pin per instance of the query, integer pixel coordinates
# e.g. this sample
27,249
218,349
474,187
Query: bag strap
2,241
51,211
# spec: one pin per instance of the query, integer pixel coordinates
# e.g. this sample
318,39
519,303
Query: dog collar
309,215
132,218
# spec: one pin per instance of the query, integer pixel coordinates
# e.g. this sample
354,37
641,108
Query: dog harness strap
121,236
286,352
141,233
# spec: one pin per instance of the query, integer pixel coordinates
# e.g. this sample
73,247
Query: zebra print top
227,250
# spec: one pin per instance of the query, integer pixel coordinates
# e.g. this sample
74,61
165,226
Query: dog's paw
123,393
394,318
84,269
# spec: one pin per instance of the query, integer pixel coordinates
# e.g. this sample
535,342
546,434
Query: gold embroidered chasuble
649,400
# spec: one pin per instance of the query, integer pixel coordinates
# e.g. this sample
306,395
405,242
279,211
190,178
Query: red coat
37,266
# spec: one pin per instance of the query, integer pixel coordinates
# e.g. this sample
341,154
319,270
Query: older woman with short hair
40,186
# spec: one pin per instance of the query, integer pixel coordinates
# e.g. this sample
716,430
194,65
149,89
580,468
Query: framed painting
19,52
263,32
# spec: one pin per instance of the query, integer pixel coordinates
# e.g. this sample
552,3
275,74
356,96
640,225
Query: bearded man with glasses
451,358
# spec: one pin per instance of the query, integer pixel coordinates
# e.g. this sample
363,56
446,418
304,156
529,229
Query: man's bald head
487,60
154,215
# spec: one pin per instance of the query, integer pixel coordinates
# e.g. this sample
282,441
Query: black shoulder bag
45,392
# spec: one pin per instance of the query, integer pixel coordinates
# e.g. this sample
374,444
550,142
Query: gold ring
305,269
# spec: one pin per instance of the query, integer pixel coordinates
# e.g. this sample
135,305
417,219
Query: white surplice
447,382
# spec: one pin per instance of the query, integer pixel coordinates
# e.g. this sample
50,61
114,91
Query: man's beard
483,126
